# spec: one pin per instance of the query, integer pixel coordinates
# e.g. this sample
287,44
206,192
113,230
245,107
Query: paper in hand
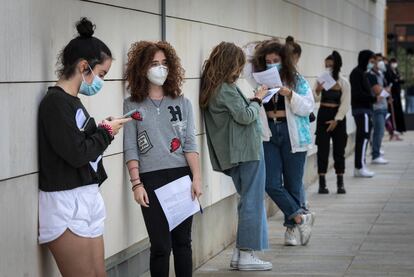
270,93
384,93
326,80
269,78
176,201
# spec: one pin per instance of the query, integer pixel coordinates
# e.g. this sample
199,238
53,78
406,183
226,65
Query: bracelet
134,187
257,100
133,180
108,128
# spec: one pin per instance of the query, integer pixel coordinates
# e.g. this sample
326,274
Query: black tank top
332,96
276,103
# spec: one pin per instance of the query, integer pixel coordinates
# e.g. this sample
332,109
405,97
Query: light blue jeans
409,100
249,180
378,133
284,173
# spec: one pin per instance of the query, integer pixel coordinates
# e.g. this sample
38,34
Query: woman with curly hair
234,140
285,154
160,147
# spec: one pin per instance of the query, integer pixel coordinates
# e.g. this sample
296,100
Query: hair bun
85,28
290,39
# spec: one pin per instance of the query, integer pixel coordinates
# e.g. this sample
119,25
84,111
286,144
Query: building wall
32,34
399,12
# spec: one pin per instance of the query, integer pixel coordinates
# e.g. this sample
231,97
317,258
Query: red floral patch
175,144
137,116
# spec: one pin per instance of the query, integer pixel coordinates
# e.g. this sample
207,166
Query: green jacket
233,128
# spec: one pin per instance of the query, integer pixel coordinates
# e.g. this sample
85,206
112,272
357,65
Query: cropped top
331,96
277,103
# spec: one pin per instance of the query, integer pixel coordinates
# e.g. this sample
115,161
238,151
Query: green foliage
405,65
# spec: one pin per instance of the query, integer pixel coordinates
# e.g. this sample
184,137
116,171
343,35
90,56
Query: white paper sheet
384,93
176,202
270,94
326,80
269,78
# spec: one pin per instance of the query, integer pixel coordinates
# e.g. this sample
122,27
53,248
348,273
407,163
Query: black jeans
363,124
161,239
323,139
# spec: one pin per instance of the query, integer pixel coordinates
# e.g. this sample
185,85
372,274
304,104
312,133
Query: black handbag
312,117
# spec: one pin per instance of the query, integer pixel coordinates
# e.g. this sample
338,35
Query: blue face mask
93,88
277,65
370,66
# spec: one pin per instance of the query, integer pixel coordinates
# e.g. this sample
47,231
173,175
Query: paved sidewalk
367,232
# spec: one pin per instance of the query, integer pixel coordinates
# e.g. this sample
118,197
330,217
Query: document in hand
269,95
176,202
384,93
326,80
269,78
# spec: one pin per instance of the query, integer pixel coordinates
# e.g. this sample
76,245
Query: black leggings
363,124
161,239
323,138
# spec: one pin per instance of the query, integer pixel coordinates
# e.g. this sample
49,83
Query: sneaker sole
360,176
291,244
313,219
303,243
254,268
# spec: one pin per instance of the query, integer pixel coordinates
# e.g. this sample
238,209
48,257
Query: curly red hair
140,57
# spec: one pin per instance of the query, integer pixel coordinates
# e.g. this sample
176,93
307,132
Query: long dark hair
83,47
297,50
224,65
337,64
288,72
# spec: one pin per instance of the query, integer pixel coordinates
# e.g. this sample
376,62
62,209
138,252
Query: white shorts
81,210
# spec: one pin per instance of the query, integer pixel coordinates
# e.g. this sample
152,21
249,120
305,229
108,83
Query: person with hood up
362,100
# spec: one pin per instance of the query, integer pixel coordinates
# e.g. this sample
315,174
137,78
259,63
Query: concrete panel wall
32,34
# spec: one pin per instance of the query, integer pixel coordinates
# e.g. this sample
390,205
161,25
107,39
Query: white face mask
158,74
394,65
328,69
381,66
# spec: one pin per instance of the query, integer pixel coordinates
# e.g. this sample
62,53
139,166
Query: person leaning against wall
234,141
285,154
296,54
331,123
71,208
160,147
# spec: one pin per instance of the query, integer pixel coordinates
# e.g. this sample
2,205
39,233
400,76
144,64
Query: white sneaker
305,228
379,160
382,152
235,258
363,173
313,218
290,238
249,261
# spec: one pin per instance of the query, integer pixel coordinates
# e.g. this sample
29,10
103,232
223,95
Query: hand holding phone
134,114
130,113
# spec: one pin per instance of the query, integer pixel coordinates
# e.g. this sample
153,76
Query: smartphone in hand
130,113
134,114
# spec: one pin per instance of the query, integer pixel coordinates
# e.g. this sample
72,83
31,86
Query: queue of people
261,145
376,106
